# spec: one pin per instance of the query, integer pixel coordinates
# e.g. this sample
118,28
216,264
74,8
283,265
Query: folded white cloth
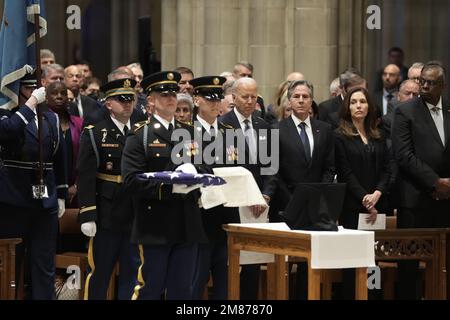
241,189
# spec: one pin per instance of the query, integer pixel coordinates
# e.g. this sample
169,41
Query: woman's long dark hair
346,126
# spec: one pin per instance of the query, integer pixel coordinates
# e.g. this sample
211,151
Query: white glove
183,188
89,229
187,168
39,94
61,207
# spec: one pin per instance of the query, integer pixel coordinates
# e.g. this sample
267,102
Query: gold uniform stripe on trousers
91,265
140,278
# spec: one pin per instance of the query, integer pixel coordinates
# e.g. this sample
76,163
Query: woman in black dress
362,162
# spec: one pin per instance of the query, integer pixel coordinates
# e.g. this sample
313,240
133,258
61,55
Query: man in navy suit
24,213
245,95
306,153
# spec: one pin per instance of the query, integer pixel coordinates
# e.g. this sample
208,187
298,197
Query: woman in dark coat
362,159
362,162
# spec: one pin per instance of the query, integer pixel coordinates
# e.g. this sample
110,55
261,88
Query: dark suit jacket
88,104
418,149
350,155
266,183
377,99
293,165
330,106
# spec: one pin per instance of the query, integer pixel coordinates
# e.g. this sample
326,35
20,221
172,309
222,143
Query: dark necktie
250,141
212,133
247,125
125,131
170,127
305,141
390,107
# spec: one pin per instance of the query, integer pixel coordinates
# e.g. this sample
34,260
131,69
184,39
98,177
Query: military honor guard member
167,226
106,212
208,94
28,209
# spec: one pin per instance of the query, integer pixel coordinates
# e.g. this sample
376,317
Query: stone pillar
276,36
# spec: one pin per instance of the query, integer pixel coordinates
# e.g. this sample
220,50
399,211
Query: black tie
305,141
170,127
212,133
247,124
125,131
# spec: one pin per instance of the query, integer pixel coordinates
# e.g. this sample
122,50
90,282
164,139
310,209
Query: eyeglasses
431,83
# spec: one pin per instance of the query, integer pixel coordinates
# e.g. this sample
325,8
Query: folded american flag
178,177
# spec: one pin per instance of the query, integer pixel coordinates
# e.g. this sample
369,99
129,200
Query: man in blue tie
306,149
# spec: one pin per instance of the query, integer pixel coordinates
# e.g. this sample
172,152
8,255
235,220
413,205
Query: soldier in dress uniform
30,210
106,211
167,226
208,93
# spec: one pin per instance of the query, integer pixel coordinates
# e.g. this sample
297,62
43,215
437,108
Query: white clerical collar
164,122
120,125
297,121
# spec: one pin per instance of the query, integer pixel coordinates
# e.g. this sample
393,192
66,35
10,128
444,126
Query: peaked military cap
210,87
123,88
161,82
29,80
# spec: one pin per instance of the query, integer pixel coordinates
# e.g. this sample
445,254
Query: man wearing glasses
420,139
105,206
167,226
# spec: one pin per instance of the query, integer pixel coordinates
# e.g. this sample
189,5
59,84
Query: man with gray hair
335,89
52,73
414,71
243,69
47,57
245,95
329,109
306,153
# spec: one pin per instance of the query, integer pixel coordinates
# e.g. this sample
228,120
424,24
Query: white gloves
61,207
89,229
187,168
182,188
39,94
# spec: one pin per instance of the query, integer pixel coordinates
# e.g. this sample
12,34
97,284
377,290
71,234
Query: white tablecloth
333,250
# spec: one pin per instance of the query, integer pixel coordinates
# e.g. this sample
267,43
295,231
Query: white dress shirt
308,128
164,122
79,106
120,125
207,125
438,118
